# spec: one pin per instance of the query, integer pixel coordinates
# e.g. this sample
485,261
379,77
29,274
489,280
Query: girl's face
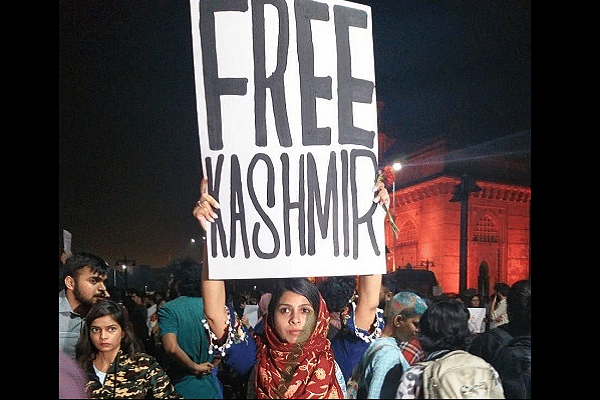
294,318
106,334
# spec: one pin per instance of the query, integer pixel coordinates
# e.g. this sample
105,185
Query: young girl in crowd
109,353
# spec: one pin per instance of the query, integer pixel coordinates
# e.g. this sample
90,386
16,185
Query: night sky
129,155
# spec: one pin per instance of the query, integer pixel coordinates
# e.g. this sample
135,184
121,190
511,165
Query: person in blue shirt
184,337
377,374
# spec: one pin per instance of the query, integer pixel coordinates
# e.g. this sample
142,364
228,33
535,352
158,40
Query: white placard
287,121
476,320
67,236
251,311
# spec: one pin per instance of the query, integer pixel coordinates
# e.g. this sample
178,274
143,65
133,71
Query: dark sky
128,148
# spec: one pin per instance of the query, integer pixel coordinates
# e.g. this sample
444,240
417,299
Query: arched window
408,234
486,230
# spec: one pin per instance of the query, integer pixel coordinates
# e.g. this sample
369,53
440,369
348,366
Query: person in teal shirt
184,336
377,374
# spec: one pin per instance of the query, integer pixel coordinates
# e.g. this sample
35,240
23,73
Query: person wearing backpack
448,370
508,347
377,373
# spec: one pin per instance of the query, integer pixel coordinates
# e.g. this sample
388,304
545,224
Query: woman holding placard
293,357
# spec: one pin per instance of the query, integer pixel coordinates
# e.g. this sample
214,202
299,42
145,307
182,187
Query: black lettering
270,203
314,196
214,186
213,85
350,90
275,82
345,222
368,217
311,86
237,201
288,205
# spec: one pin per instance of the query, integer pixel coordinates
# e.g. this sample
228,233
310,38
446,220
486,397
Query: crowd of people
344,338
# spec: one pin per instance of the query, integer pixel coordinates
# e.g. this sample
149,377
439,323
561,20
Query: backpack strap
436,354
524,341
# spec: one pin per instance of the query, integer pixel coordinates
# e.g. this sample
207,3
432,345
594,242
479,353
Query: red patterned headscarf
298,371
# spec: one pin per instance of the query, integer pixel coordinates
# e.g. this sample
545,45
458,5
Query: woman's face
475,301
294,318
106,334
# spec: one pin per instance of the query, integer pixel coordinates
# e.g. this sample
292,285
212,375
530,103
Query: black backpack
513,363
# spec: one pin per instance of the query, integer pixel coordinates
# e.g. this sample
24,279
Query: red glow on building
498,231
429,236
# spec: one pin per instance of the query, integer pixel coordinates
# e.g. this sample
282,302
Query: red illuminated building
498,215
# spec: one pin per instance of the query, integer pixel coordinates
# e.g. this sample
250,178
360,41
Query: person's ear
388,296
69,282
398,320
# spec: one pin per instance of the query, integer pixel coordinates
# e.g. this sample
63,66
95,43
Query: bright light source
397,166
193,240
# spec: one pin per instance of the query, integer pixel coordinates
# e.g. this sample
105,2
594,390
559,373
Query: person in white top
498,310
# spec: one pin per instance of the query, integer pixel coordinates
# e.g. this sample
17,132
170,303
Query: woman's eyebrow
299,305
108,326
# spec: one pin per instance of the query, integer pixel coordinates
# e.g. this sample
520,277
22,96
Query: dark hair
388,281
187,273
80,260
445,326
518,306
337,291
299,286
135,291
86,351
502,288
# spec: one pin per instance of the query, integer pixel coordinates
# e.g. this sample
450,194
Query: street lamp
396,167
125,275
125,265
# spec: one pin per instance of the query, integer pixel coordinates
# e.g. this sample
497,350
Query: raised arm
369,285
368,299
213,291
